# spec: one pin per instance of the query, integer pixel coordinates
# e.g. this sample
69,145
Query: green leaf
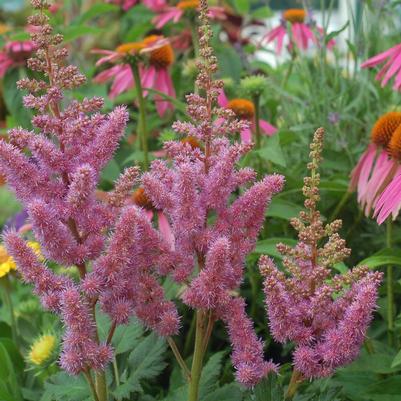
62,387
268,246
126,337
283,209
145,362
389,386
396,360
74,32
13,352
272,151
210,374
268,389
13,97
262,12
95,11
333,34
242,6
8,379
228,392
382,258
111,171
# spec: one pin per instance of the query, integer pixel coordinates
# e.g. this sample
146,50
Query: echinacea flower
391,68
140,199
302,33
15,54
153,70
176,12
374,168
42,349
244,109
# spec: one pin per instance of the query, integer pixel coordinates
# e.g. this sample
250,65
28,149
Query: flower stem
197,362
142,115
8,301
89,379
390,286
296,380
256,101
179,358
101,386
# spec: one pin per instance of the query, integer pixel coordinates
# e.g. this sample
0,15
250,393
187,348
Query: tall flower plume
57,183
198,184
325,315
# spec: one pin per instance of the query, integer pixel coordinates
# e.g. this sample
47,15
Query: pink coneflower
391,68
375,169
153,71
176,12
15,54
244,109
389,201
301,33
140,198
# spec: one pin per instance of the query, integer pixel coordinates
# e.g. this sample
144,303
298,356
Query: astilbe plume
325,315
195,186
54,170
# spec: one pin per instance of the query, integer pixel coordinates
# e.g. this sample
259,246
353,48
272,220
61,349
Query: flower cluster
196,188
56,181
325,315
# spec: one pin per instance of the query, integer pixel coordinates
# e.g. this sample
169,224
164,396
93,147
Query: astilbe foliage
325,315
212,233
54,170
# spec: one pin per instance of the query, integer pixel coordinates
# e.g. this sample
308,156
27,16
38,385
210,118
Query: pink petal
171,14
267,128
246,135
165,229
123,81
379,58
389,201
222,98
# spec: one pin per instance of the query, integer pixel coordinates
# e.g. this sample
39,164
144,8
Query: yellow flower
7,262
42,349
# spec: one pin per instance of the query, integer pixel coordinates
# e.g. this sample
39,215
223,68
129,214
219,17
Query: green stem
89,379
8,301
256,101
296,380
340,205
142,114
116,374
197,362
101,386
179,358
390,286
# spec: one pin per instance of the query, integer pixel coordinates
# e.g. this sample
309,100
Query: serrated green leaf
268,389
145,362
228,392
126,337
210,374
62,387
111,171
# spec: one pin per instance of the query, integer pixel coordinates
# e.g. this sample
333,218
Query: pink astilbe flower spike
57,184
199,183
325,315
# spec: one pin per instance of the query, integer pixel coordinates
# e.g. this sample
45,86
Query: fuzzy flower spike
198,185
57,185
325,315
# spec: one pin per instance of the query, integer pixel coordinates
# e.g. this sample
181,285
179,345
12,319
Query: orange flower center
130,48
192,141
384,128
244,109
187,4
141,199
294,15
394,146
161,57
